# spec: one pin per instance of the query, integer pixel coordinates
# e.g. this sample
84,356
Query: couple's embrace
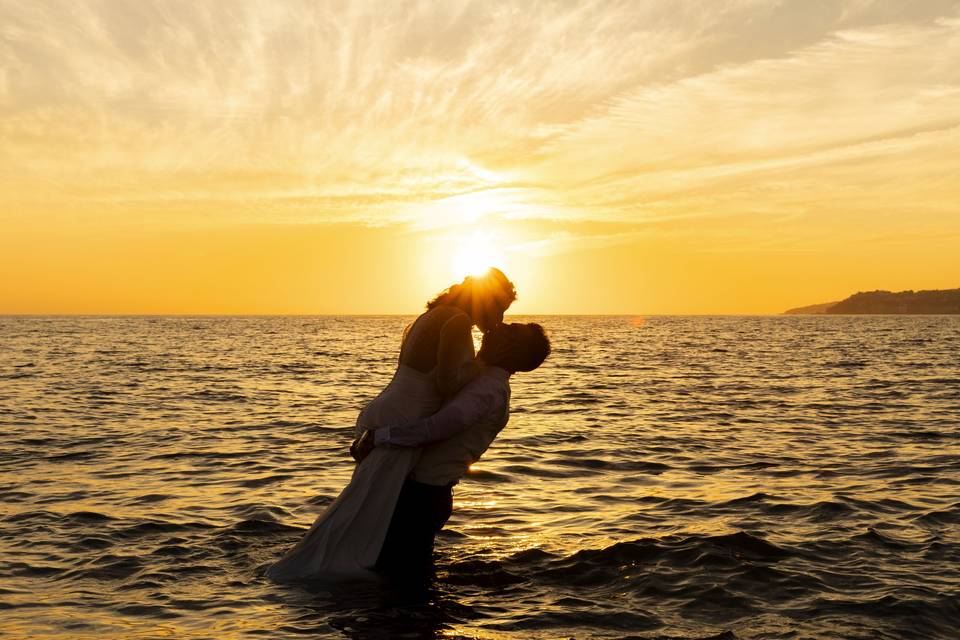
418,437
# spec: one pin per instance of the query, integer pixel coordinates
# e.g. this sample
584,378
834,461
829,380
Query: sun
476,253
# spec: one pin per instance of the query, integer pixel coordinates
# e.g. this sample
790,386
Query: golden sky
354,157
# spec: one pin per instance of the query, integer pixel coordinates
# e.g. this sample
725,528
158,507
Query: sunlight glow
335,158
475,254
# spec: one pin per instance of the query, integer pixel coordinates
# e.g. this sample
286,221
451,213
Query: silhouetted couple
437,416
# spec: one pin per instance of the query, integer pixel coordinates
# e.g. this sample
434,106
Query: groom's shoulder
494,380
496,376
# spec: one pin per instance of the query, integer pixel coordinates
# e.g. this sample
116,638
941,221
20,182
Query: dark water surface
678,477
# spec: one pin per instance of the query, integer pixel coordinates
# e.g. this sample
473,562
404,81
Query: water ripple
713,478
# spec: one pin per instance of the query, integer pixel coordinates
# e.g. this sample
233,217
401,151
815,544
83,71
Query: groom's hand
362,446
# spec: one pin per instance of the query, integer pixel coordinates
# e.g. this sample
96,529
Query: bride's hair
474,291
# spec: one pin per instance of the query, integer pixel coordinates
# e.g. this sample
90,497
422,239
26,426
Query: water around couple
680,477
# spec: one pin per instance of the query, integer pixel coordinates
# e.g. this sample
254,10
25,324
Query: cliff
901,302
811,310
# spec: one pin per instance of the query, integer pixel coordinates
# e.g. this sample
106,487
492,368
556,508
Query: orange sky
657,157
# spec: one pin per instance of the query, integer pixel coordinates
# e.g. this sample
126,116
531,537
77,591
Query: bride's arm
455,358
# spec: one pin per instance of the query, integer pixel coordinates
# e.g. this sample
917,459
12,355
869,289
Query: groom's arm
467,408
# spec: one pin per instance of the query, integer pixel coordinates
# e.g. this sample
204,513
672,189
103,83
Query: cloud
435,114
844,93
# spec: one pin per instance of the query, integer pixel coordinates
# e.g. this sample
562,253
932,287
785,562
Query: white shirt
456,436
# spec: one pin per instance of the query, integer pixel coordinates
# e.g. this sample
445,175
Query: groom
453,439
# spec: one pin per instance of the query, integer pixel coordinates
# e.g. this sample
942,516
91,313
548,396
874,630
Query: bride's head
484,297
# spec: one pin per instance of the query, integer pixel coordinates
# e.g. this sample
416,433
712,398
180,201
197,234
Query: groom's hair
536,348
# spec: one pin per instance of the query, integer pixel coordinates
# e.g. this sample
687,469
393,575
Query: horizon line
398,315
335,315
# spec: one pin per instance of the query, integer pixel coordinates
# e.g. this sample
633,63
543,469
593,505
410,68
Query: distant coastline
936,301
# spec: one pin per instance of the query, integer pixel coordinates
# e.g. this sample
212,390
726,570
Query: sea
671,477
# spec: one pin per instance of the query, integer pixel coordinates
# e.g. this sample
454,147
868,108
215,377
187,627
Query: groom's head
515,347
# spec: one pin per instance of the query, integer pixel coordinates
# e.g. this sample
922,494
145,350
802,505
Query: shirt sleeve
468,407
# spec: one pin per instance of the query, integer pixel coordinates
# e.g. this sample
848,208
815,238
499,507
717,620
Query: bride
436,359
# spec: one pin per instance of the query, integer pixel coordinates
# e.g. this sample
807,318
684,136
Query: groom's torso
447,461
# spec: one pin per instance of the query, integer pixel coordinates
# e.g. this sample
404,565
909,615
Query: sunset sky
355,157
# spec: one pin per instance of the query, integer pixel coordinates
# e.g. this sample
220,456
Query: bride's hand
362,446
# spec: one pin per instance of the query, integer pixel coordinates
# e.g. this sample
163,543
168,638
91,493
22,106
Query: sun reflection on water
172,458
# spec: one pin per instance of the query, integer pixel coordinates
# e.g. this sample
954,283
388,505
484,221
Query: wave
607,566
684,478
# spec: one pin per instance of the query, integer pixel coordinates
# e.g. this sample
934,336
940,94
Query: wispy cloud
430,114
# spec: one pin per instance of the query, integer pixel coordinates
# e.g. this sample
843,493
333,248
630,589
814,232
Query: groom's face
504,345
495,343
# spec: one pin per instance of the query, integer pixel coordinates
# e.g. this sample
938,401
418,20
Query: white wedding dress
347,537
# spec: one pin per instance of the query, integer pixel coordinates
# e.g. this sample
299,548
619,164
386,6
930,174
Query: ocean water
666,477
